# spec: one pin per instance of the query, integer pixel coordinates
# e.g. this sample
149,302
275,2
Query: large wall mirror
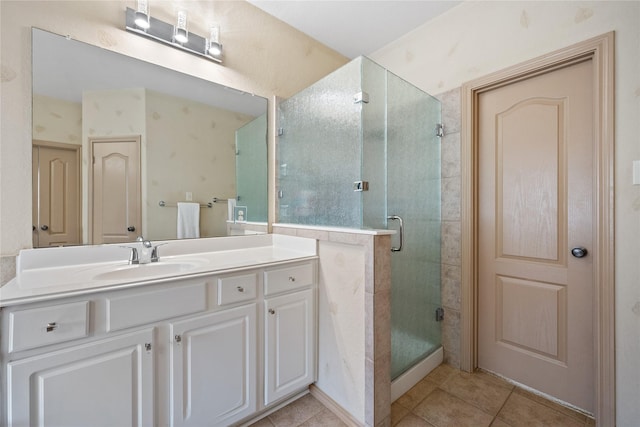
118,142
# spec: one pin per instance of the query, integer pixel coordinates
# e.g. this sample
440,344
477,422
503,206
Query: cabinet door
289,344
103,383
214,368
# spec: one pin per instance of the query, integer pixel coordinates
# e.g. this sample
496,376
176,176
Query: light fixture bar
163,32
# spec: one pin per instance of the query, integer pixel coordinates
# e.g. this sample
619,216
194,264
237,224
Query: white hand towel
188,220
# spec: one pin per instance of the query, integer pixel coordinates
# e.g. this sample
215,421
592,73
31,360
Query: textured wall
199,142
476,38
57,120
262,56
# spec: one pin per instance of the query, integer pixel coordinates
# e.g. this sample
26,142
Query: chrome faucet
145,257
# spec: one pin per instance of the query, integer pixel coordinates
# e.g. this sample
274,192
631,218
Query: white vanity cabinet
102,383
210,349
213,365
290,330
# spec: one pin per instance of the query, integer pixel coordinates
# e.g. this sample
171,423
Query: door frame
600,50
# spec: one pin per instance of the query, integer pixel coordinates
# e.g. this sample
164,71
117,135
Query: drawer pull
240,289
292,279
272,311
51,326
147,346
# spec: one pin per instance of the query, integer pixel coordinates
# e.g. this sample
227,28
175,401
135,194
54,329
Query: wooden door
115,210
535,204
56,194
214,368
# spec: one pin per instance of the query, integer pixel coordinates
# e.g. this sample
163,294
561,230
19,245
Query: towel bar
219,200
163,204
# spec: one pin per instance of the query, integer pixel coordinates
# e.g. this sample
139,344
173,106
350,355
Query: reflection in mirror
114,136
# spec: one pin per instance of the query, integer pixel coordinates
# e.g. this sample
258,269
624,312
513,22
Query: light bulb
181,28
215,48
142,14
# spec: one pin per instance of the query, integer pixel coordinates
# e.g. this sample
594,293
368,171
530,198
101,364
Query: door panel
56,196
535,188
289,344
116,191
214,368
102,383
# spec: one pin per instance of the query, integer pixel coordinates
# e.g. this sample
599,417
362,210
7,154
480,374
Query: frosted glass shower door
413,193
320,152
251,168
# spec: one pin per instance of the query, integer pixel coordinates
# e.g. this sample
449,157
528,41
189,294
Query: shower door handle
397,218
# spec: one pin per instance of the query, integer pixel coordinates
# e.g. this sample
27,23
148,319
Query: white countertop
44,274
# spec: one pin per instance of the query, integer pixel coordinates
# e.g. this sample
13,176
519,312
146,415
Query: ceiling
355,27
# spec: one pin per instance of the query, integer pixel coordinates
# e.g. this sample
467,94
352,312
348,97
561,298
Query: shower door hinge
280,131
439,130
439,314
361,97
361,186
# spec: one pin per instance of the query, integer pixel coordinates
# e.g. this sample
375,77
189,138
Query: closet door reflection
116,206
56,194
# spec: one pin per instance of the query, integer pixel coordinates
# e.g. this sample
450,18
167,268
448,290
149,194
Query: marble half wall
354,353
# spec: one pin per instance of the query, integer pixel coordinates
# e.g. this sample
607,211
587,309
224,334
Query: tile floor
447,397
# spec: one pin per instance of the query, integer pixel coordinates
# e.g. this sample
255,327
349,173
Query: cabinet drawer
155,305
38,327
234,289
288,278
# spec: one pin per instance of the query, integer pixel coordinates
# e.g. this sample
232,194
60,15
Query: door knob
579,252
131,228
44,227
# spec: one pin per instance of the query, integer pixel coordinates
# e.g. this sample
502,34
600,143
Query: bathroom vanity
214,333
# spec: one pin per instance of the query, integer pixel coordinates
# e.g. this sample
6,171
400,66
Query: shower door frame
601,51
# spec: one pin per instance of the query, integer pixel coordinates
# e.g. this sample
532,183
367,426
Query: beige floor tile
444,410
324,418
397,413
553,405
265,422
499,423
417,393
412,420
521,411
441,374
478,389
297,412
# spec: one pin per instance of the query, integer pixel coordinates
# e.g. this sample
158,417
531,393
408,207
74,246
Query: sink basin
143,271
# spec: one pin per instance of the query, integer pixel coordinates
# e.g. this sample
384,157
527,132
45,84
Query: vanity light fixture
181,35
214,48
142,14
176,36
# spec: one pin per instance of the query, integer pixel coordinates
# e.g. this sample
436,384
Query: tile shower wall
450,242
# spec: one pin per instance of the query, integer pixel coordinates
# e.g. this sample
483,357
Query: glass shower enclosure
359,149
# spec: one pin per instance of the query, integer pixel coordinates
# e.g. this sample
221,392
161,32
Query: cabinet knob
292,279
240,289
178,338
51,326
147,346
272,311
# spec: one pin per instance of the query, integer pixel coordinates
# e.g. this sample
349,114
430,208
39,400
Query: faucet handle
133,255
155,253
